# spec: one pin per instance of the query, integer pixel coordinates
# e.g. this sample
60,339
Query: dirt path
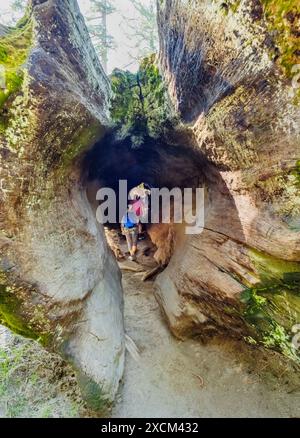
186,379
169,379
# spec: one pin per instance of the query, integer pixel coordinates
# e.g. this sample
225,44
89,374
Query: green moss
14,48
93,394
234,5
230,5
270,313
272,307
13,83
12,313
271,267
9,309
283,21
87,136
296,172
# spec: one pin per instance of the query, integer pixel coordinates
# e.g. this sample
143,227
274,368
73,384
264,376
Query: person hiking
139,199
131,222
130,229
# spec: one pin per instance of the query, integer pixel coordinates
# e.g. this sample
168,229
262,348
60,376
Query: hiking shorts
131,235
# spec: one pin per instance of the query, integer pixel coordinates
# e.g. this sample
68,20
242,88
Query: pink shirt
138,207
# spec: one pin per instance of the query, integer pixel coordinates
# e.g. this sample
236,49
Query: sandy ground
172,378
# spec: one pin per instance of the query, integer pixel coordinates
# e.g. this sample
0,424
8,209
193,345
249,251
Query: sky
118,58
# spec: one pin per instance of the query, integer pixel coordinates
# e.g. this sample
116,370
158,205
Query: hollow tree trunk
59,282
229,70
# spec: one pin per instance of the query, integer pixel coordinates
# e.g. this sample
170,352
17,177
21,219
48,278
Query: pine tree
19,5
14,12
103,42
144,28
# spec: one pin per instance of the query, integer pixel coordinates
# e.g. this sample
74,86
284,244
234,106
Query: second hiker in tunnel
136,213
130,229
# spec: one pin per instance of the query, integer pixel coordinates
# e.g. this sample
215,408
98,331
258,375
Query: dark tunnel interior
154,162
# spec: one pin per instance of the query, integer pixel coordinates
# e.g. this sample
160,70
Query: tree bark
227,70
59,282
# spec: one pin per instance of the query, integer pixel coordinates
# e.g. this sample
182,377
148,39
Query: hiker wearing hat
136,213
130,229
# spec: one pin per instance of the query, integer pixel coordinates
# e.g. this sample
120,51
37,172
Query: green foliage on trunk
283,20
139,105
14,49
272,307
12,314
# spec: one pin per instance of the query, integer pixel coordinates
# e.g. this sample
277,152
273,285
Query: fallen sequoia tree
228,67
59,282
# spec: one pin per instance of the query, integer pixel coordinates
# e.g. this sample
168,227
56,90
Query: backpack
126,222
